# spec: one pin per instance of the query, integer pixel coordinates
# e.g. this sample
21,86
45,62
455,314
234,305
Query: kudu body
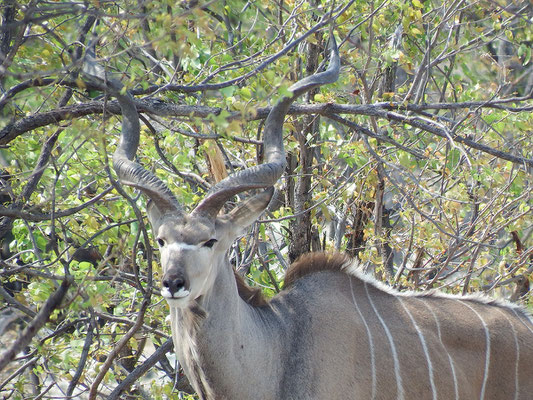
332,333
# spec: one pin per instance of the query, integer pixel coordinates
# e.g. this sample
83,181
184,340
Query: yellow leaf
80,83
311,39
234,128
215,160
92,222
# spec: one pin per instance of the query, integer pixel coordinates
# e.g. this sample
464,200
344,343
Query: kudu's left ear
245,214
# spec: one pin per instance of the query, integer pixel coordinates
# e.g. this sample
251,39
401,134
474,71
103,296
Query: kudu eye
160,242
210,243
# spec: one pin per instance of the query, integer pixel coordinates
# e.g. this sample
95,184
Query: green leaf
246,93
228,91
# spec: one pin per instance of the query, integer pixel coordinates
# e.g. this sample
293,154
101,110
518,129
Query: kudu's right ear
245,214
155,216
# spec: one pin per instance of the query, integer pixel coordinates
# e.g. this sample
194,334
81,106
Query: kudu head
193,245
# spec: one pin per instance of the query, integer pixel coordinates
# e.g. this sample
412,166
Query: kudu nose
175,286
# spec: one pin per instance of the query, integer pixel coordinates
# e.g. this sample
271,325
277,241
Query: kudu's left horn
128,171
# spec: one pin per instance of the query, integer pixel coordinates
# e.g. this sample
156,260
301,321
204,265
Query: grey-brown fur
322,350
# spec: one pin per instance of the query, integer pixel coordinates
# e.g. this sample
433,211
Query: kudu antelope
332,333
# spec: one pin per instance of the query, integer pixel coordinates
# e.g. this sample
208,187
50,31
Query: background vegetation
417,161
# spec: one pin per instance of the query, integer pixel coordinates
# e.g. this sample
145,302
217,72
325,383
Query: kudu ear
245,214
155,216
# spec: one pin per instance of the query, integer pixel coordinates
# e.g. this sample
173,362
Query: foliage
417,161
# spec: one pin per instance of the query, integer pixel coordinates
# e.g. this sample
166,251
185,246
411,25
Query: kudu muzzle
175,283
174,286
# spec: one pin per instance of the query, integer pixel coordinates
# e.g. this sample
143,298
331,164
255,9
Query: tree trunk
301,231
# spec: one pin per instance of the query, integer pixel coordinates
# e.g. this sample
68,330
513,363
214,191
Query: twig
83,358
17,212
18,371
18,305
116,350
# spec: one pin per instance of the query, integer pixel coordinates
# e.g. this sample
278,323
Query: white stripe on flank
521,319
527,323
393,348
371,342
452,366
424,347
487,350
516,383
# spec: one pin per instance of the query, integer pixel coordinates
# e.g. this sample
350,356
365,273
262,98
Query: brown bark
301,230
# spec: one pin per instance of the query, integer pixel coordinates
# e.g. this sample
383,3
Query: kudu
332,333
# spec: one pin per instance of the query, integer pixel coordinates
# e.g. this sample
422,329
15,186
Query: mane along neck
315,262
305,265
310,263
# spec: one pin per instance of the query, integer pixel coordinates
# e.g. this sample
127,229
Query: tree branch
380,110
17,212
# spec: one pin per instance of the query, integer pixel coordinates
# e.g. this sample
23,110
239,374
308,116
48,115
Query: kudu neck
223,299
219,347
